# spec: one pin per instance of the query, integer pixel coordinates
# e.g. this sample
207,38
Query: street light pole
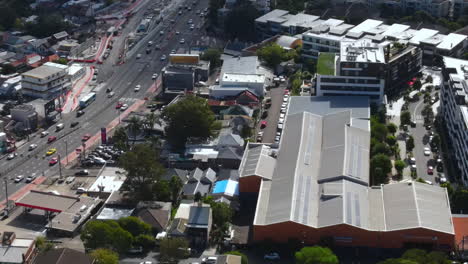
60,166
66,150
6,192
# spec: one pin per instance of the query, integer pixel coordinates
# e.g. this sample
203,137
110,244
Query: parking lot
269,132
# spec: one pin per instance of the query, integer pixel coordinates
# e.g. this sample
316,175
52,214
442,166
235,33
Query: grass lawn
326,64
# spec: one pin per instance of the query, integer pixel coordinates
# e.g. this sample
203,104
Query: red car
86,137
53,161
263,124
51,139
118,105
430,170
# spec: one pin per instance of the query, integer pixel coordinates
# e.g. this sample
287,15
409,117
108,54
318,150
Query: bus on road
85,101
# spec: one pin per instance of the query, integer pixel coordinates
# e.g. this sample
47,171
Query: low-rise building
454,112
63,256
316,185
25,116
14,250
47,81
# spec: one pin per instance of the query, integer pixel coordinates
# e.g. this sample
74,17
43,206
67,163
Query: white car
282,115
137,88
260,133
278,134
192,27
412,160
284,105
163,57
32,146
281,121
210,260
283,110
427,151
44,133
277,139
11,156
413,167
155,75
182,41
428,182
285,99
177,33
124,107
19,178
271,256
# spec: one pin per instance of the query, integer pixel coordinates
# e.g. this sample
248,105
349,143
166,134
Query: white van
110,94
59,127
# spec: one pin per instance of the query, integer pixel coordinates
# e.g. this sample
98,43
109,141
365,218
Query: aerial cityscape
233,131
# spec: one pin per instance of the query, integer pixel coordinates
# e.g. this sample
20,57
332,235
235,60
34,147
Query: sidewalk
71,101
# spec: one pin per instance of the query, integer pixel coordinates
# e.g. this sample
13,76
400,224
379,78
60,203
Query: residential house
179,173
199,224
63,256
199,182
156,214
14,250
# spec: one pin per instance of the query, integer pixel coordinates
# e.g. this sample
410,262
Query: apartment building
459,7
46,82
358,70
278,22
454,110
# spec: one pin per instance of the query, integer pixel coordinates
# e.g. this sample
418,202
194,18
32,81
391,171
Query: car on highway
430,170
180,13
173,51
177,32
157,47
70,180
59,127
19,178
182,41
44,133
192,27
12,156
138,56
51,151
148,51
82,173
32,147
119,105
150,43
163,57
271,256
51,139
79,113
190,21
427,151
31,178
155,75
53,161
74,124
109,95
86,137
137,88
172,21
161,33
124,107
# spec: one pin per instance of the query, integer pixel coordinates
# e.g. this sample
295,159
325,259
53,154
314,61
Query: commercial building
357,70
240,74
72,212
47,81
316,185
11,87
25,116
454,112
14,250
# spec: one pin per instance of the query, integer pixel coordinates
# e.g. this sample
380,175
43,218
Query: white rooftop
451,41
421,35
365,25
238,77
361,51
108,183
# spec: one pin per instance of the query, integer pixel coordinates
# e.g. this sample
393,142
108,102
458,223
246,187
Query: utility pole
6,192
60,166
66,149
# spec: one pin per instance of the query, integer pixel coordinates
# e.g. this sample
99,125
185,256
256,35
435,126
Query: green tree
134,225
410,144
240,22
429,79
162,190
176,185
458,200
109,234
143,169
147,242
244,259
47,24
316,254
8,69
399,166
271,54
121,239
380,148
150,120
392,128
296,86
173,249
405,118
190,117
379,131
63,61
380,167
105,256
222,214
197,197
246,132
435,140
120,139
417,85
213,56
43,245
397,261
391,140
134,126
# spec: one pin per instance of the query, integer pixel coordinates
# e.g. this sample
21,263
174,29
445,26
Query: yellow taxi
51,151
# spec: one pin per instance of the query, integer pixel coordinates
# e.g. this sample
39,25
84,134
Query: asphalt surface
122,79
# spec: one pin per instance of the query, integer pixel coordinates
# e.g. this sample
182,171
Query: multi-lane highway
122,79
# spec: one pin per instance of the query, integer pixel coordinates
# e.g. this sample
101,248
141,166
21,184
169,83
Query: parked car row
102,155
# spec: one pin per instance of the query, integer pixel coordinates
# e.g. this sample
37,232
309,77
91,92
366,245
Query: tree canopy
191,117
173,249
240,22
105,256
213,56
419,256
273,54
143,169
380,166
405,118
316,254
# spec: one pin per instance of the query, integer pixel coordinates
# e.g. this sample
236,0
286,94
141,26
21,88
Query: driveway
269,132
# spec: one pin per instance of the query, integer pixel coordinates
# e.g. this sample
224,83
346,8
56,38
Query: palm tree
150,120
135,126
